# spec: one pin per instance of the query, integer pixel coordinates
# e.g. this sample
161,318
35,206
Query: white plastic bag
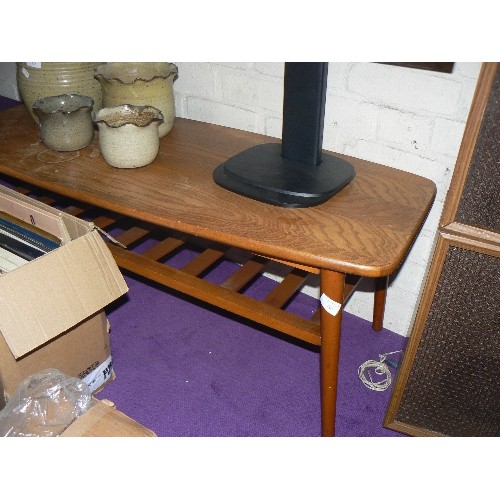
44,404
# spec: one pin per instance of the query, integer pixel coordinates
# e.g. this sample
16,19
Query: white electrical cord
380,368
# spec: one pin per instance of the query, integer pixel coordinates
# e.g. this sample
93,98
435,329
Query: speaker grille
454,384
479,204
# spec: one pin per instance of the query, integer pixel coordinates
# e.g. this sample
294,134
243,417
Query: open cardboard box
52,308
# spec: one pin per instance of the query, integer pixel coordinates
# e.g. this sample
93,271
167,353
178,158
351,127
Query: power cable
379,368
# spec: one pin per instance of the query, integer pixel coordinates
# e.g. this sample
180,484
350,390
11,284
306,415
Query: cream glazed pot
128,134
140,84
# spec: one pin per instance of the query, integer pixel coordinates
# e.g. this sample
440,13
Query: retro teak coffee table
365,230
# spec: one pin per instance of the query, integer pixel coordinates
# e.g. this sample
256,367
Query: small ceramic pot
65,121
128,134
141,84
36,80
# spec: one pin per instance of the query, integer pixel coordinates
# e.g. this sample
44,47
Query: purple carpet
187,369
6,103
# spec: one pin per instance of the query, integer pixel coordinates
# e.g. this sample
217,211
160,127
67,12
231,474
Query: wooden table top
366,229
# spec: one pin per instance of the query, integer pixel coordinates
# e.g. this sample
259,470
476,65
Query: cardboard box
52,308
104,420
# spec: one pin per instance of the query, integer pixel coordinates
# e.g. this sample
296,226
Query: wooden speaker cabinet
449,381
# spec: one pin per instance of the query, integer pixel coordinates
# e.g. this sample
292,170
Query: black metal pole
303,111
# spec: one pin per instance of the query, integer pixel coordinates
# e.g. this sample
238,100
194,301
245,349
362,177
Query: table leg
379,302
332,292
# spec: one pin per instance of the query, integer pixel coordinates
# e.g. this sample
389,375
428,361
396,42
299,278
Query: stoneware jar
128,134
36,80
65,121
140,84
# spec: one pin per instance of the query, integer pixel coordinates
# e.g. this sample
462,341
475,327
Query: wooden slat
23,190
163,248
75,211
244,274
202,262
48,200
214,294
131,235
103,221
283,292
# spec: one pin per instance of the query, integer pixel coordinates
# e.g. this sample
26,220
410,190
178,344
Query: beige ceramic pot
65,121
128,134
140,84
43,79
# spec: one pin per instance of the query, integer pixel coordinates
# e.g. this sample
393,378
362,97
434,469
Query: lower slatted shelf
184,263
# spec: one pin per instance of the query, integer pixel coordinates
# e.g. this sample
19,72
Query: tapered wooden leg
379,302
332,292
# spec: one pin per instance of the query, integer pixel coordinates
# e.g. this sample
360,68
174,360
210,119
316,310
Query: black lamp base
263,174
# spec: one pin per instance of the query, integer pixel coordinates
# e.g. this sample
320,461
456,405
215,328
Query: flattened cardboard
103,420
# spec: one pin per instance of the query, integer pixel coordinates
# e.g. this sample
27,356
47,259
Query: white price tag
330,305
37,65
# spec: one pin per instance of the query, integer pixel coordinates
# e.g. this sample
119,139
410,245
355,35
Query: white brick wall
405,118
404,89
